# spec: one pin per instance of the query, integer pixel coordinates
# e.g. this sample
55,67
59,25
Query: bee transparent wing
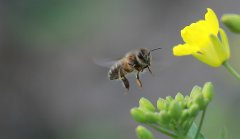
104,62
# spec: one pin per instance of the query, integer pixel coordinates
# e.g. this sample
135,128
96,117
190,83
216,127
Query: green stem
163,131
200,124
231,70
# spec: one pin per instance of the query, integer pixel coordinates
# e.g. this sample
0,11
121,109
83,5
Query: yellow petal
184,49
212,21
208,56
196,33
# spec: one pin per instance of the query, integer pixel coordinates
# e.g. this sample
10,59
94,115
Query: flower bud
200,101
179,97
193,110
186,101
196,90
143,133
146,104
232,21
175,109
187,98
208,91
184,115
186,124
161,104
164,117
189,103
152,117
169,99
138,115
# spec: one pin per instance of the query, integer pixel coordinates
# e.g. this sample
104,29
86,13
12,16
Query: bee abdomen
114,72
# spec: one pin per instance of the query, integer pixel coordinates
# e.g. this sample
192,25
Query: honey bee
135,61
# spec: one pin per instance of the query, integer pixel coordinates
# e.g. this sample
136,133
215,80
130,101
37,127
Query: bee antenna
155,49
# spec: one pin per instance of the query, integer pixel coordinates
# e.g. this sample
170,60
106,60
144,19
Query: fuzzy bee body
133,61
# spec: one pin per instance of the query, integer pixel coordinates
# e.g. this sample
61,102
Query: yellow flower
201,41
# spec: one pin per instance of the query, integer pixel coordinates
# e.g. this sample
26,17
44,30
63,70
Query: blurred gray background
50,87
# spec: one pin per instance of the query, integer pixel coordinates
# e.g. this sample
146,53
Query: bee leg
139,83
125,82
149,69
124,79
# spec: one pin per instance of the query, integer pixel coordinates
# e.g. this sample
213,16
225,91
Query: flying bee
135,61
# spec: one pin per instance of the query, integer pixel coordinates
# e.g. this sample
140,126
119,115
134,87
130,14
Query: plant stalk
231,70
163,131
200,124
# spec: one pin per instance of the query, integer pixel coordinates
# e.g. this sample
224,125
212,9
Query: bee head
144,56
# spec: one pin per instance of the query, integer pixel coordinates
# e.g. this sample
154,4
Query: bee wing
104,62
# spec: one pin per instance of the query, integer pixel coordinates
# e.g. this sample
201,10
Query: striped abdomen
113,73
120,68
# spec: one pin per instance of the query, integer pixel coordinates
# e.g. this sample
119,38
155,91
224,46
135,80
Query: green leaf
192,132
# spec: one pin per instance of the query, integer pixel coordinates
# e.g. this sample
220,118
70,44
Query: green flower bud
175,109
146,104
196,90
200,101
169,99
138,115
186,124
161,104
189,103
179,97
143,133
152,117
232,21
186,101
193,110
164,117
187,98
208,91
184,115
